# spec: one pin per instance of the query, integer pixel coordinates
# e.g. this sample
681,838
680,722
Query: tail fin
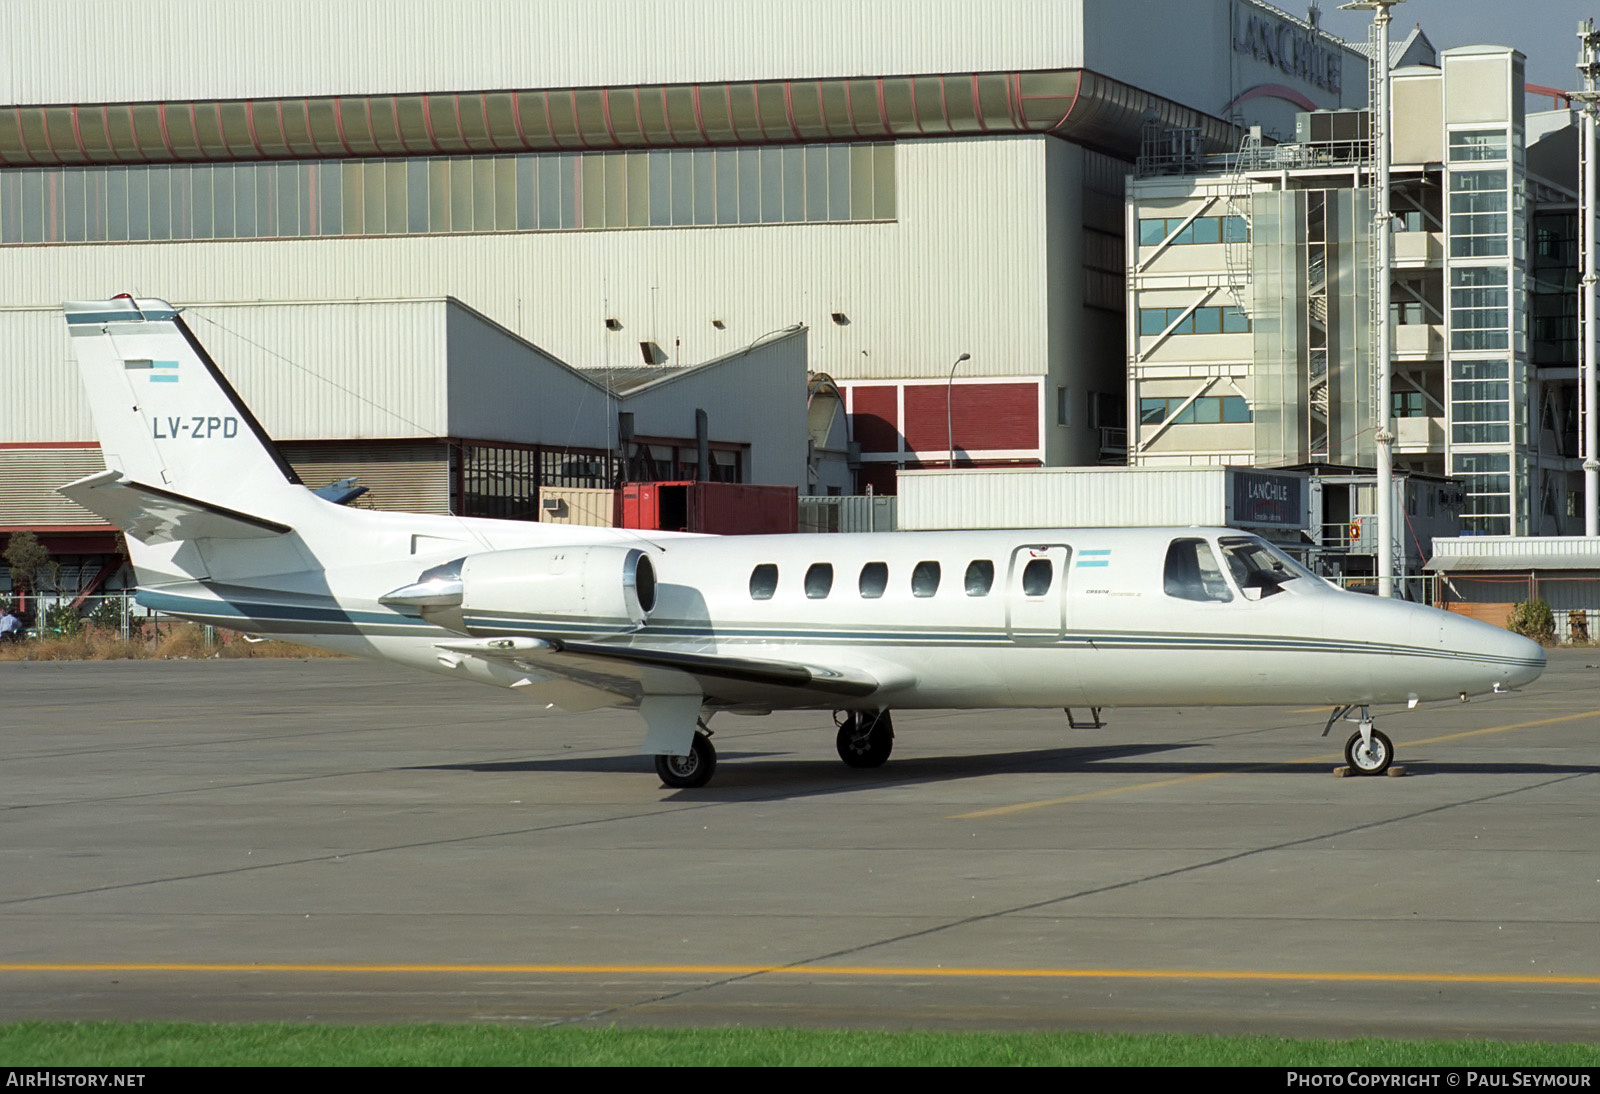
167,418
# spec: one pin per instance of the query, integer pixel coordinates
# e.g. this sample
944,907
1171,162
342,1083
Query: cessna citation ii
679,627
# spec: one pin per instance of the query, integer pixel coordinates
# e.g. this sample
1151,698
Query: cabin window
874,579
1192,572
1036,577
980,577
763,581
819,581
925,579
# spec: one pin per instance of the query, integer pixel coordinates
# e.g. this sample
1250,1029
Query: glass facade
1478,213
1480,311
448,194
1487,478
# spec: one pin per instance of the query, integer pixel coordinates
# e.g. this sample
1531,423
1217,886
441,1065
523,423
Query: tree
28,559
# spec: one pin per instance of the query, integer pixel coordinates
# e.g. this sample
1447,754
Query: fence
57,615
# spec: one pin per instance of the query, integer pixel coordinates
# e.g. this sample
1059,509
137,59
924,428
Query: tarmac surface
338,841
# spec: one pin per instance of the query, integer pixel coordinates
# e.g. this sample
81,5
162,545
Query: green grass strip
152,1044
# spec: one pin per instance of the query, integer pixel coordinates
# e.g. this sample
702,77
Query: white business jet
680,627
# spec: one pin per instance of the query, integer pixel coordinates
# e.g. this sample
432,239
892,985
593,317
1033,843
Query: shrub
1533,619
108,615
62,619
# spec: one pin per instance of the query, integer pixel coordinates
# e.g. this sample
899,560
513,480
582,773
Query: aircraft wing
153,515
632,671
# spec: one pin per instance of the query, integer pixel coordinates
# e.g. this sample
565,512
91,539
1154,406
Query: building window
1478,204
1206,410
1224,229
532,192
1487,479
1409,404
1477,144
1479,308
1215,320
1480,402
499,482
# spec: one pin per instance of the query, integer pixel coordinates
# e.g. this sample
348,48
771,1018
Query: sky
1544,30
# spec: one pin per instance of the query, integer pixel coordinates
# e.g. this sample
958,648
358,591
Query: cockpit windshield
1260,569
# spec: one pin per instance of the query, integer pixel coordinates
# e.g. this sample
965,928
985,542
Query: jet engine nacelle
583,589
601,587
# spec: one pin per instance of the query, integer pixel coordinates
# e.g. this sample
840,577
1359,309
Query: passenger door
1036,585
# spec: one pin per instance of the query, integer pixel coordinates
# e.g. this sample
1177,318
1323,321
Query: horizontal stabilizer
152,515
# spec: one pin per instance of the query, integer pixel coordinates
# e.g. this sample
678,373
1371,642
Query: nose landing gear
1368,751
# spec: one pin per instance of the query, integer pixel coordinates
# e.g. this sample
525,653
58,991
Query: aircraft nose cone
1507,660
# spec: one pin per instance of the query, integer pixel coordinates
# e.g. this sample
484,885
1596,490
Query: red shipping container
718,508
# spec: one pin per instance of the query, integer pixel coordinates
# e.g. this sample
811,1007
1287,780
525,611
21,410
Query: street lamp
949,427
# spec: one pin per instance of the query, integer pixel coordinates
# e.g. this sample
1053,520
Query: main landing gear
1367,752
866,737
693,770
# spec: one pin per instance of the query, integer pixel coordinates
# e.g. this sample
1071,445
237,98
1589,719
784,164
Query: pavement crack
981,917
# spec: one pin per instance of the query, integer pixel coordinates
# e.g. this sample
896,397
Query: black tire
1369,761
688,772
865,740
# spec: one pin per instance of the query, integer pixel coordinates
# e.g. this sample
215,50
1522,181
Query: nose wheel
1371,757
1367,752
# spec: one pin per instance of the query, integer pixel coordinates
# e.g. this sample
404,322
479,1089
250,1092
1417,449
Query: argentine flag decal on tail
160,372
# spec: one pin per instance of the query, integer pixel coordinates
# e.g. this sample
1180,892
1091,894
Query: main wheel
688,772
865,740
1373,759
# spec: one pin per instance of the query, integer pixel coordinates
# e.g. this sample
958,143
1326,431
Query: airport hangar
621,184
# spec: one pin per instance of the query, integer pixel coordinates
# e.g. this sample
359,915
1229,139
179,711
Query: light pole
1382,235
1589,68
949,422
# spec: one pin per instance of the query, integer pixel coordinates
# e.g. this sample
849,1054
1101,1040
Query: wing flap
153,515
561,656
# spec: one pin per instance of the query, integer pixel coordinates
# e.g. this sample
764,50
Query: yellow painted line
1504,729
862,971
1023,807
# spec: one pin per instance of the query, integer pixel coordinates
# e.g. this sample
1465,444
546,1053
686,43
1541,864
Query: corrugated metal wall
1062,498
28,481
756,398
87,51
963,270
402,478
367,371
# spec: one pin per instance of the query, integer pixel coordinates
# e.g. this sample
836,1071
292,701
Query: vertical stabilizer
167,418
